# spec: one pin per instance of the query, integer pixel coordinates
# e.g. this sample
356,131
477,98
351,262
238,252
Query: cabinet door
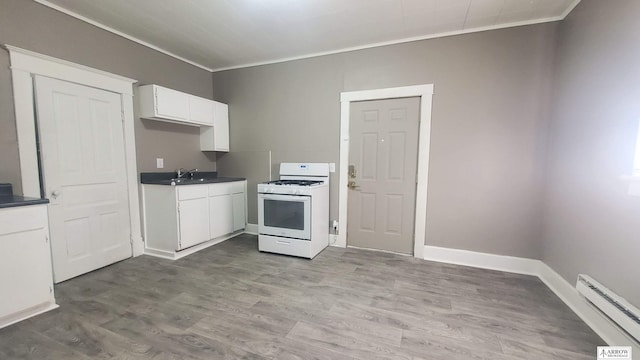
238,211
25,271
193,216
221,215
201,110
172,104
221,127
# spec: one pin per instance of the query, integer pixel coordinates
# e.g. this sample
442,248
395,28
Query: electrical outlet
332,167
160,163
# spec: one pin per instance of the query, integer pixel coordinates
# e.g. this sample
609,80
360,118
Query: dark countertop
169,178
7,201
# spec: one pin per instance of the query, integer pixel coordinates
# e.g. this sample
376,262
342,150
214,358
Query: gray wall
591,225
488,130
32,26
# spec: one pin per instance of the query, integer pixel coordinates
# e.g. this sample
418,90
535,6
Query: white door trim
425,92
25,64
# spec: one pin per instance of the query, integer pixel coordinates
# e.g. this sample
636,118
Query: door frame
24,65
425,93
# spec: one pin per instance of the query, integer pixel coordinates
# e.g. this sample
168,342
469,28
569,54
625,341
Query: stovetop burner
295,182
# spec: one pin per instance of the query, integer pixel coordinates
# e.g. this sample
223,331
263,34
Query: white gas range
293,212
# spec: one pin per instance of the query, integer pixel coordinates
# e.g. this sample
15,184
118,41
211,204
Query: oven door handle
296,198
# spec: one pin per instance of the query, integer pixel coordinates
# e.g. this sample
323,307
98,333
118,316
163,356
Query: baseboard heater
615,307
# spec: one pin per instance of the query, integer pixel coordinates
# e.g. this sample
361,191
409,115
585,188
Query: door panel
369,161
221,208
84,176
239,218
194,222
383,151
367,218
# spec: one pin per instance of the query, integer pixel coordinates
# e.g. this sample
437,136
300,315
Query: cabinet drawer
226,188
287,246
22,218
192,192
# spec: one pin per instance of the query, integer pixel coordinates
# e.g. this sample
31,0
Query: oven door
284,215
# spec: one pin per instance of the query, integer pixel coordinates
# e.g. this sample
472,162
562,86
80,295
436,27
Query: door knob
55,194
352,185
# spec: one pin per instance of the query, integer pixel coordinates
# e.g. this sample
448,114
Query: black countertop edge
145,177
169,178
8,201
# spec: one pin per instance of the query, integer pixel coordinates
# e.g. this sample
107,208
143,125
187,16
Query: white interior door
84,176
383,156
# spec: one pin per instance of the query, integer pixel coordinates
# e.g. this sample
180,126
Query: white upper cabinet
160,103
170,104
163,104
216,138
201,110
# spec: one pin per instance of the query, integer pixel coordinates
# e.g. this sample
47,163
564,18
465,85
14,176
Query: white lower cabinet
221,214
193,218
239,210
26,278
177,218
227,207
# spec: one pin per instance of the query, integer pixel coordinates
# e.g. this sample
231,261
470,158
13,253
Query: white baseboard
597,321
333,241
175,255
27,313
251,229
510,264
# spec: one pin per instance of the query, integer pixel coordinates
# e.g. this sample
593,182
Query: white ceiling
222,34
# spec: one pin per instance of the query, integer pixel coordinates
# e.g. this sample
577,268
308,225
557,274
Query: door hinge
46,239
50,289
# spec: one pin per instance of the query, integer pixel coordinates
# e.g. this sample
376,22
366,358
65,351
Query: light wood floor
232,302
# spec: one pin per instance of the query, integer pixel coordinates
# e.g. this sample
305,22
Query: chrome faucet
192,172
182,172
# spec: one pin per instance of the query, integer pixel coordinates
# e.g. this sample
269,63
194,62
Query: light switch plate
332,167
160,163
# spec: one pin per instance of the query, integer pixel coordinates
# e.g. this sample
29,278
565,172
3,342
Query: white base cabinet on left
26,277
179,220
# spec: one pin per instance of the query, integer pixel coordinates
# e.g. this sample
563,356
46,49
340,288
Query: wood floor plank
95,341
230,301
272,345
171,340
27,344
345,342
531,351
